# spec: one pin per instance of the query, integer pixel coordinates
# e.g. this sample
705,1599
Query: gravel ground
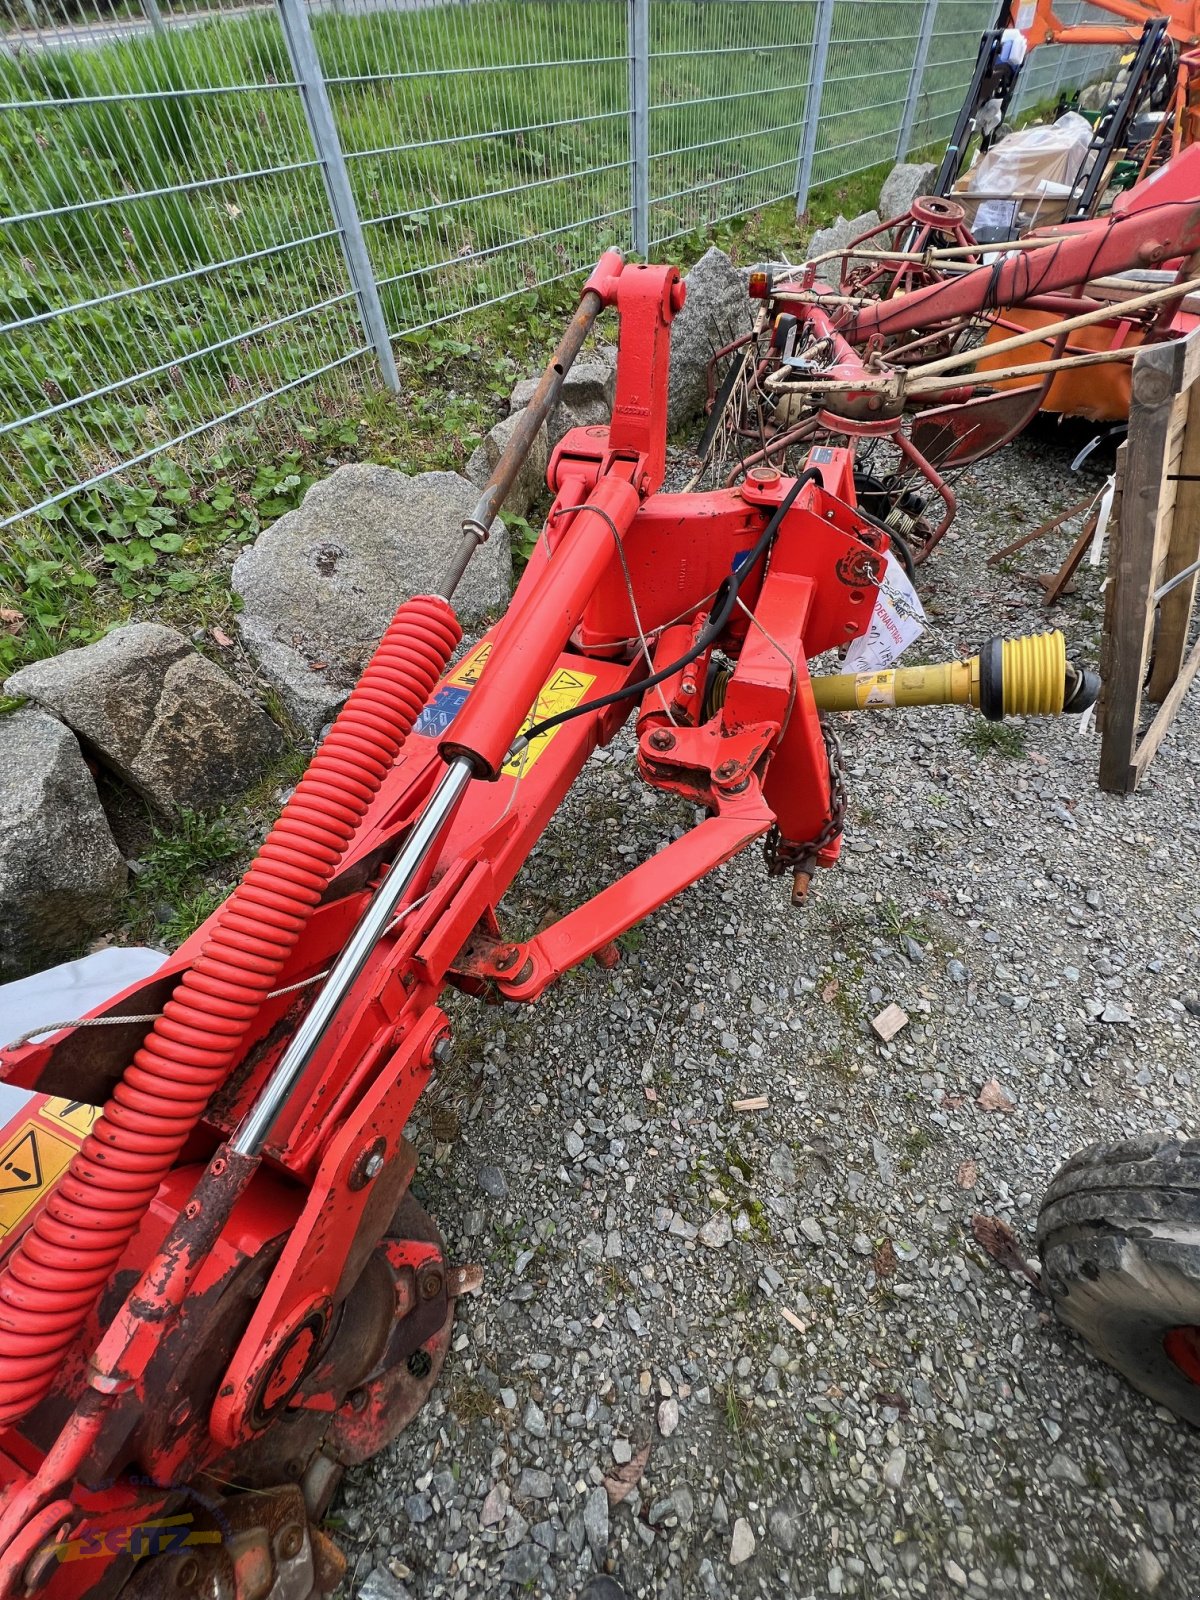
839,1393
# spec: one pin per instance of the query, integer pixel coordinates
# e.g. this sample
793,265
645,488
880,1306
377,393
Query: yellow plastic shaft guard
1033,682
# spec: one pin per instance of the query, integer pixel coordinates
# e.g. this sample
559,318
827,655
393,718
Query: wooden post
1156,534
1175,609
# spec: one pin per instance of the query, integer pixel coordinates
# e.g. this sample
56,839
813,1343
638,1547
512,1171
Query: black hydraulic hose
722,609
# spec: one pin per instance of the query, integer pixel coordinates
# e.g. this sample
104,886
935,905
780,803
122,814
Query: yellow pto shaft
1027,677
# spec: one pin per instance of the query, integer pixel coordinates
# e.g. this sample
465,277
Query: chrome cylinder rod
442,804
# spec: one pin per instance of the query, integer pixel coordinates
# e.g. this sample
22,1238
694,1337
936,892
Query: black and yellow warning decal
30,1163
470,669
562,690
73,1114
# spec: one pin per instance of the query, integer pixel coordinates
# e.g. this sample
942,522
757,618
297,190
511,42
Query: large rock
840,235
530,481
585,399
60,869
903,184
163,717
716,311
1096,96
321,584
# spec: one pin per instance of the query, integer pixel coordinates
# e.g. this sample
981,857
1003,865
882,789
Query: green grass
450,225
185,873
1005,739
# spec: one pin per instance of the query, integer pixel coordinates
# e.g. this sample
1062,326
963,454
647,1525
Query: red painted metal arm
740,820
1141,236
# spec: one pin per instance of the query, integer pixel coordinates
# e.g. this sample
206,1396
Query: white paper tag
898,619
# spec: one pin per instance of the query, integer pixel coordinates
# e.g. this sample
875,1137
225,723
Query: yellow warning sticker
29,1165
561,691
875,689
470,669
76,1115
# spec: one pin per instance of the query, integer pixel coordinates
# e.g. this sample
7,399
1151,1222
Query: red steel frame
291,1236
1156,223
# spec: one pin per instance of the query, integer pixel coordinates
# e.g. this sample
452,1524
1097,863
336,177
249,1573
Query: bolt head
662,739
291,1541
373,1165
443,1051
429,1284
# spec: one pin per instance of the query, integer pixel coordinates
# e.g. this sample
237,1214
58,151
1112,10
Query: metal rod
639,123
813,93
915,79
314,94
1043,335
478,525
440,808
988,376
1173,583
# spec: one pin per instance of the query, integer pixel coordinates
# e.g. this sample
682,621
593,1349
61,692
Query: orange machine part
1100,394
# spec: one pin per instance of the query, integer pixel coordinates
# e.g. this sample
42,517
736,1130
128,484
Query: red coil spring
53,1278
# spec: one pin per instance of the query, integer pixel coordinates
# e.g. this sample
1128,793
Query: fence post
153,15
915,79
813,95
639,123
315,96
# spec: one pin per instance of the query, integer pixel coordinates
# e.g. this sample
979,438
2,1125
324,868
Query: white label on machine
898,619
1025,16
995,214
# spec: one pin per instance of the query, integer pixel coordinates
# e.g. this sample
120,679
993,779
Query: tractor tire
1119,1237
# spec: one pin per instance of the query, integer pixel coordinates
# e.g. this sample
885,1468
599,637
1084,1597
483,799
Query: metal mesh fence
953,47
206,205
170,259
729,92
487,144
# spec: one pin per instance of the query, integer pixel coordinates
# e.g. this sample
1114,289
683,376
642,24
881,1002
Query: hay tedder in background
217,1291
905,347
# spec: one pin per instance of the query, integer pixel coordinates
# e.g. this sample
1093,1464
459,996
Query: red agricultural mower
216,1290
927,351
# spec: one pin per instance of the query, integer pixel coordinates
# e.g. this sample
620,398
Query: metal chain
782,857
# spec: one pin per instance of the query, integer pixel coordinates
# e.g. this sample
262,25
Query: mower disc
1119,1237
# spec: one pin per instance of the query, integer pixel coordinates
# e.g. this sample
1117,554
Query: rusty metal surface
479,524
256,1546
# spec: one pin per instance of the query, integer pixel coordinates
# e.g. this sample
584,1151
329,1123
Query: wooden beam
1158,373
1066,572
1163,718
1183,547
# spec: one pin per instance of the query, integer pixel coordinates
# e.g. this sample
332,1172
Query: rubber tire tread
1119,1238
